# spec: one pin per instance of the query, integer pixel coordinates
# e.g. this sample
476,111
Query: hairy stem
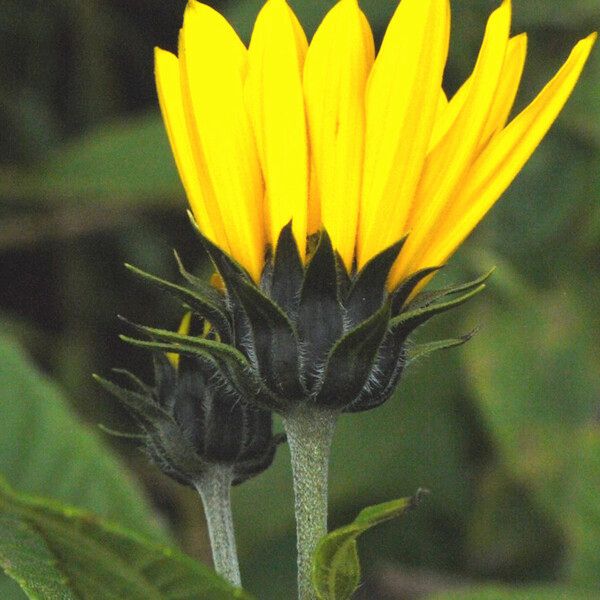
214,488
309,433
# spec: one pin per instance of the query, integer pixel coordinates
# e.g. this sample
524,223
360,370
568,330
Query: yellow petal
512,69
510,78
401,102
276,105
184,329
442,104
335,74
450,159
213,63
168,85
446,114
506,154
314,201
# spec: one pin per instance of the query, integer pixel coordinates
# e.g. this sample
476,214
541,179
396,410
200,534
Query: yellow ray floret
401,102
447,162
276,105
213,65
506,92
328,135
505,155
171,103
184,329
335,75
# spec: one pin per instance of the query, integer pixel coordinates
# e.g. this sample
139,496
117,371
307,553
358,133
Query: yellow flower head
328,135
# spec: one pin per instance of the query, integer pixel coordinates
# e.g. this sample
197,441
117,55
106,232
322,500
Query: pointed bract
273,93
288,273
320,316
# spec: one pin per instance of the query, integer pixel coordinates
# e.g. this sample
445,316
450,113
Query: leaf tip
418,497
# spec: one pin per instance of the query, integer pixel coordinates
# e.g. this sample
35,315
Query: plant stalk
214,488
309,434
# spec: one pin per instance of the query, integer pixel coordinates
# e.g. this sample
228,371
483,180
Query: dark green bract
308,334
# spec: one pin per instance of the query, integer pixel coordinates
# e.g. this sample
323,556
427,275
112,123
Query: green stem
309,434
214,488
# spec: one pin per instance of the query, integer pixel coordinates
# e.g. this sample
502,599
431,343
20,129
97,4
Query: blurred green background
505,431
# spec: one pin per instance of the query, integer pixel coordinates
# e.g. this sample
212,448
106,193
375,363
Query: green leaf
229,269
196,282
25,556
288,273
46,451
336,568
427,298
57,553
320,317
142,405
404,290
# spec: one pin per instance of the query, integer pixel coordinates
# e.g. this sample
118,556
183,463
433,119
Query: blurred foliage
58,552
47,452
504,432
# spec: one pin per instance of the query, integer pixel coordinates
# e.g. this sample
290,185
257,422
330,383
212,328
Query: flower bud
192,420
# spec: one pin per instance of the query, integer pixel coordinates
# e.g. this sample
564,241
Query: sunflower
333,136
328,183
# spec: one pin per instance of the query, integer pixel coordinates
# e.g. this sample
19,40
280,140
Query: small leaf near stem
309,433
214,488
336,568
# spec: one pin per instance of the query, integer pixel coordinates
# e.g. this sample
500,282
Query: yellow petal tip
504,9
586,44
161,52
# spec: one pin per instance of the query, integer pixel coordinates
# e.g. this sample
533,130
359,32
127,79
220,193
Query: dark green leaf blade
405,289
193,280
227,266
336,568
288,272
46,451
141,405
25,556
99,561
